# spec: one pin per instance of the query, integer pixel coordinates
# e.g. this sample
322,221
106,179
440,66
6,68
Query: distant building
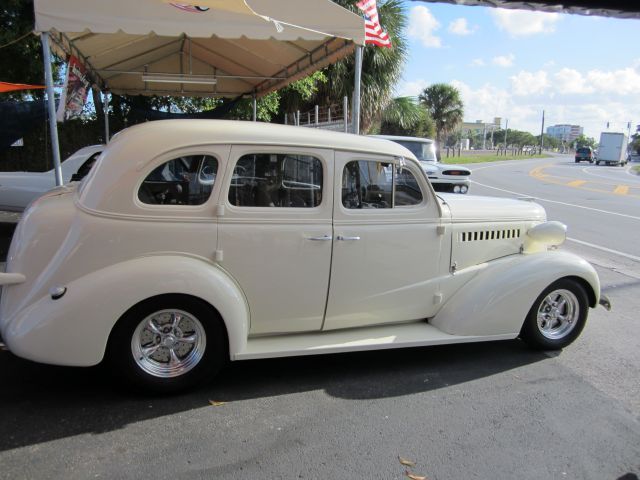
565,133
479,126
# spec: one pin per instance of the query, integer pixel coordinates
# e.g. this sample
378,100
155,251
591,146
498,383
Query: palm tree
381,67
404,116
444,105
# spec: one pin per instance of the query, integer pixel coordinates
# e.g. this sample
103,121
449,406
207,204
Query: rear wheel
167,343
557,316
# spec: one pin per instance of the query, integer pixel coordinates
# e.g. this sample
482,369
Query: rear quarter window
186,180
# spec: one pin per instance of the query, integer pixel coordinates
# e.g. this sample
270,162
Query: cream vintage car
194,242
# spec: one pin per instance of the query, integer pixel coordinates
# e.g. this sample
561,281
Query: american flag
373,32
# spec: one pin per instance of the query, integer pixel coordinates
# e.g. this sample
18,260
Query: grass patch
636,169
488,158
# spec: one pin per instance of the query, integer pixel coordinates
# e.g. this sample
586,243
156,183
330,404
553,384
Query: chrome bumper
605,302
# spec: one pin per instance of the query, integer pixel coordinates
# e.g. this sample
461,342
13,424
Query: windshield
424,151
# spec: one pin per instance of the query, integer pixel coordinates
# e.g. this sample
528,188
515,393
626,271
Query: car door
275,231
387,244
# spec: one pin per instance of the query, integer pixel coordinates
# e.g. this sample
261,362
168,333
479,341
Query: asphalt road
487,411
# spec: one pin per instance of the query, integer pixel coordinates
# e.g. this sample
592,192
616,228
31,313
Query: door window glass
276,180
185,180
407,191
367,184
370,184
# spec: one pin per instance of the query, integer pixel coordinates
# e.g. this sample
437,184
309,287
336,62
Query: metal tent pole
55,146
356,91
345,114
106,117
255,108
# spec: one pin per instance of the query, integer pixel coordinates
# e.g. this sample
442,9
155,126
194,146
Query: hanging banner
75,91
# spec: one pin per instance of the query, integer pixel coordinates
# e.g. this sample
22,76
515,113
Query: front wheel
166,344
557,316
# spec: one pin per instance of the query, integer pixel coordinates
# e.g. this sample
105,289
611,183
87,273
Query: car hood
475,208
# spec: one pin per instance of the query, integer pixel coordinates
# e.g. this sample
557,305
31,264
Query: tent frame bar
139,72
51,103
69,50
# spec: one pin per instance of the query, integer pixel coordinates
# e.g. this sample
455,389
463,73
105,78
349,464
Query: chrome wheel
558,314
168,343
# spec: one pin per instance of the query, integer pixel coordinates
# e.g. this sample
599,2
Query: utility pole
506,127
484,135
542,134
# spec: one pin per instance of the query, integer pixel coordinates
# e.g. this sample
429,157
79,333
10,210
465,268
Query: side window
369,184
276,180
182,181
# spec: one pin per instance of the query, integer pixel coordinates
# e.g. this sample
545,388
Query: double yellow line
592,186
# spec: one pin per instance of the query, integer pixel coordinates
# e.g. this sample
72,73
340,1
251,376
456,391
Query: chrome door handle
347,239
323,238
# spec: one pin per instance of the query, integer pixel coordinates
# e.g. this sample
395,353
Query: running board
403,335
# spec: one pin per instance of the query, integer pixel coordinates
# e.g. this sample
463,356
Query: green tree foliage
445,107
635,143
549,142
21,58
404,116
584,141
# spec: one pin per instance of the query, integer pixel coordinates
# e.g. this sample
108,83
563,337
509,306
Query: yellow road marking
540,174
576,183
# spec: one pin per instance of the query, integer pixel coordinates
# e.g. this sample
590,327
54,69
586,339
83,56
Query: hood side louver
484,235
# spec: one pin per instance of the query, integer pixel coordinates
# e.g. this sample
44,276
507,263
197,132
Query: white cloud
570,81
529,83
521,23
460,27
477,62
412,89
623,82
504,60
422,25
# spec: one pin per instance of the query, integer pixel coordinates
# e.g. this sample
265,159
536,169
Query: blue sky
514,63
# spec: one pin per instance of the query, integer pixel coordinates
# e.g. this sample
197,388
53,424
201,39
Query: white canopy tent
225,48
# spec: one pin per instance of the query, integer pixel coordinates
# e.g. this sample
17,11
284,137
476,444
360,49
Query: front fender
497,296
74,329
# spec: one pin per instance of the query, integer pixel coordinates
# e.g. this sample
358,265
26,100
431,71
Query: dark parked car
585,154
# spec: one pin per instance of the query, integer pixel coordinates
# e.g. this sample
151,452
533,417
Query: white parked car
17,189
443,177
194,242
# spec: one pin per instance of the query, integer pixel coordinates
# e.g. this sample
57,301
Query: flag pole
356,91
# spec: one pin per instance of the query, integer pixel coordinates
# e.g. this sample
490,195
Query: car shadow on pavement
40,403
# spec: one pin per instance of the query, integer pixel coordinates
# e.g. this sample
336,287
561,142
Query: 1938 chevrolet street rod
194,242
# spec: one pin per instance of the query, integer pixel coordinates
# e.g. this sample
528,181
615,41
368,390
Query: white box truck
612,149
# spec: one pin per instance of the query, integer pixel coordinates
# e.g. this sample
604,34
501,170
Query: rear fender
74,329
499,294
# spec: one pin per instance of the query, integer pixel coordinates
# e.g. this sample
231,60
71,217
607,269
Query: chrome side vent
482,235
